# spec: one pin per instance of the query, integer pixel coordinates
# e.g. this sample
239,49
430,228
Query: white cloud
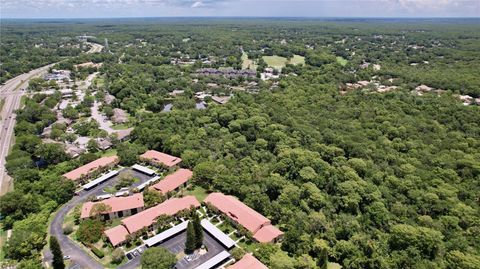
428,4
197,4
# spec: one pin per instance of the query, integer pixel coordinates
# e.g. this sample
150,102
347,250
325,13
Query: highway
12,92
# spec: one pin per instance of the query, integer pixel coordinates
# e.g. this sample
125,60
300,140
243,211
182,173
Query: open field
297,59
342,61
279,62
275,61
121,126
247,63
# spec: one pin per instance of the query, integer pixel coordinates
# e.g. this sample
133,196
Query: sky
237,8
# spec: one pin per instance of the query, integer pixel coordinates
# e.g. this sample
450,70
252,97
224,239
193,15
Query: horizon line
240,17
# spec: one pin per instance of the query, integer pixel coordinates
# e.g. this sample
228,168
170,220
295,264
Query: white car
66,257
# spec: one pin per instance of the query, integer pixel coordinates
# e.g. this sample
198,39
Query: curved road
78,256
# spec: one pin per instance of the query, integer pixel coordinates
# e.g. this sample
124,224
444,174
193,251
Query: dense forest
378,180
387,181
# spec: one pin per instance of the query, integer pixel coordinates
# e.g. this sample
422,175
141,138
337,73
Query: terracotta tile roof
90,167
116,203
173,181
238,211
162,158
169,207
267,234
117,234
248,262
253,221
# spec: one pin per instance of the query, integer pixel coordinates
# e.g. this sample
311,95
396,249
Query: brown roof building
118,206
173,181
91,167
160,158
248,262
146,218
253,221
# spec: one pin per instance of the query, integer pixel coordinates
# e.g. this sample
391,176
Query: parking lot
136,174
176,245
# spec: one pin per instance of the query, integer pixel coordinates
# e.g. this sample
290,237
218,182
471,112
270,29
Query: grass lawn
297,59
110,190
2,102
69,218
234,236
100,82
248,245
115,222
226,228
214,220
120,126
199,193
342,61
247,63
109,152
277,62
23,99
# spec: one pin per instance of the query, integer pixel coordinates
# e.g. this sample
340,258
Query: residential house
248,261
73,150
226,72
103,143
124,135
119,116
118,207
91,167
174,181
159,158
146,219
221,99
257,224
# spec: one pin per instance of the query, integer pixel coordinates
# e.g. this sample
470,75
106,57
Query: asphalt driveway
79,258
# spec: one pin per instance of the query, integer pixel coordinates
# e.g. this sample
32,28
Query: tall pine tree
190,243
57,253
197,226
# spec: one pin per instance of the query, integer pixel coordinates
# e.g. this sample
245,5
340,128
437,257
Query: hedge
97,252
